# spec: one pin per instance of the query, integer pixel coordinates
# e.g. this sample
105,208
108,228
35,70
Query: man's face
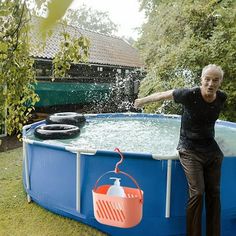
211,81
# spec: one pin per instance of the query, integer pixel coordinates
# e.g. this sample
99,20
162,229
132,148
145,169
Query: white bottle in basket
116,189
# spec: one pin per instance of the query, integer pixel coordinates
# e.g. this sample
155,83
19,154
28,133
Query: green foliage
152,84
54,15
88,18
72,50
2,113
181,37
17,77
17,72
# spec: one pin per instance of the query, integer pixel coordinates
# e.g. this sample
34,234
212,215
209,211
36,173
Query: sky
124,13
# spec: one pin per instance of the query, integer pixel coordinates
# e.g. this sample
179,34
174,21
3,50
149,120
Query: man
199,153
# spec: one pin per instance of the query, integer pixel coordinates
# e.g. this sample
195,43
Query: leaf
56,10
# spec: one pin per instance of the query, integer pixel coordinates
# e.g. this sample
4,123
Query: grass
19,218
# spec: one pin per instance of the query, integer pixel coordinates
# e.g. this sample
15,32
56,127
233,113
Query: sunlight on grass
19,218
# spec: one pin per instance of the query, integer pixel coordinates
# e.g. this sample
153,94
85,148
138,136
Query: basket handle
124,173
135,182
95,186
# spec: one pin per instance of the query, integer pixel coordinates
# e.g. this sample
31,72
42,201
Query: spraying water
120,98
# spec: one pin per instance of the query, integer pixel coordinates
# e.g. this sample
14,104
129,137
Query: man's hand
138,103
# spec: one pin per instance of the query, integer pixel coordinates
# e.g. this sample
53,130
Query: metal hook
120,161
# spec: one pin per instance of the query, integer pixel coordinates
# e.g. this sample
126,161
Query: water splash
119,97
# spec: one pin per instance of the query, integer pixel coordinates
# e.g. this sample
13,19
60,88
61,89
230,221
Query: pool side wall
53,175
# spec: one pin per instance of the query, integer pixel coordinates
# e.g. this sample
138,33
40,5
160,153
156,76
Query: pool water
130,135
226,138
142,135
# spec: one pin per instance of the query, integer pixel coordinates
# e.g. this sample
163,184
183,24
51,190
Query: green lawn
19,218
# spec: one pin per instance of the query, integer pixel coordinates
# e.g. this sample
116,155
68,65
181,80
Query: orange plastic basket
124,212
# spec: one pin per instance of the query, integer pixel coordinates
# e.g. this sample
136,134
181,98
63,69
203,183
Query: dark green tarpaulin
62,93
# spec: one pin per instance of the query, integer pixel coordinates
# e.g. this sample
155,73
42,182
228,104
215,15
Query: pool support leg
168,188
26,170
78,187
78,153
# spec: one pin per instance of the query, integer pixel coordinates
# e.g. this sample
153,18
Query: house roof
104,49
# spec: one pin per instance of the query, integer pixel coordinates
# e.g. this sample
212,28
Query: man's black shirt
197,130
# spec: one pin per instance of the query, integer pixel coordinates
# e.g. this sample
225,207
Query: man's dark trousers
203,171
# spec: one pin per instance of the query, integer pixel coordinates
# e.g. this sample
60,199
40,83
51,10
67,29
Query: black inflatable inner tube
55,131
71,118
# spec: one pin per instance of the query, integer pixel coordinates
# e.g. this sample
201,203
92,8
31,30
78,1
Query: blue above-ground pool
60,177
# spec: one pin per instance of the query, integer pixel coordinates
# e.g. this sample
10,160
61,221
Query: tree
180,38
90,19
17,77
17,74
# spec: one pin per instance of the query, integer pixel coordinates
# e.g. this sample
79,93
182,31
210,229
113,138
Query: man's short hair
213,66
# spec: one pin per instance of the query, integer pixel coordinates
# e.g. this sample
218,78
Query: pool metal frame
79,151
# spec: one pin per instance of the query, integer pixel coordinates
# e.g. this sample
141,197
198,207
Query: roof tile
104,49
